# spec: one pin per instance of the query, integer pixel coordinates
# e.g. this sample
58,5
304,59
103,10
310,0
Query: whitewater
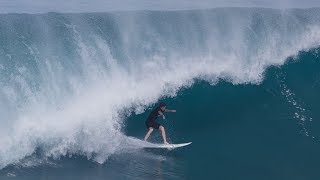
69,81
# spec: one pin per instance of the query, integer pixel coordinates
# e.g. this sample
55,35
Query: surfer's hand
163,117
173,111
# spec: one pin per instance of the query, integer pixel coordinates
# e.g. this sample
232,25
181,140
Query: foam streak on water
300,113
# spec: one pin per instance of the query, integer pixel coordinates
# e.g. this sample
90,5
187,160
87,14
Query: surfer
152,124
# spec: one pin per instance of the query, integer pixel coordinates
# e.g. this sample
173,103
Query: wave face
68,81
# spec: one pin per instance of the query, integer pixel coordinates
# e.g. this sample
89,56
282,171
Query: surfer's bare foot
165,142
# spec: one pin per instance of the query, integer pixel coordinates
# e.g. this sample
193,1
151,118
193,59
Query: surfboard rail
167,146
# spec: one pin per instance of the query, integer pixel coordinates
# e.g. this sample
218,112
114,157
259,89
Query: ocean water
75,90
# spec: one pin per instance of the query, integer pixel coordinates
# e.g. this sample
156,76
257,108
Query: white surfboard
167,146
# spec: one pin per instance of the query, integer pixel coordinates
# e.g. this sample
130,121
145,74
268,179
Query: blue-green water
75,89
250,131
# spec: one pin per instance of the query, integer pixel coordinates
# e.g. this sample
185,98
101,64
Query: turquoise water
75,89
249,131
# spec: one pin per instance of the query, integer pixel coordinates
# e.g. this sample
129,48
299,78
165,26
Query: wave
68,81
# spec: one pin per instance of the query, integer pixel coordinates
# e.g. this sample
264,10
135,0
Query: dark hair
162,104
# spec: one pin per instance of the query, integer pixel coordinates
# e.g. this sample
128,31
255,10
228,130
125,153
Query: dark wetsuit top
151,121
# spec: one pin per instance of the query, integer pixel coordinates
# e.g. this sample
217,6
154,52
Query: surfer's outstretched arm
168,110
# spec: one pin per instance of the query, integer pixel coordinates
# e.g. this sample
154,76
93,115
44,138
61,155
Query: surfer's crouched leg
163,133
148,133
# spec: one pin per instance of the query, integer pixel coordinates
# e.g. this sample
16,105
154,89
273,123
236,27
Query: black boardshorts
152,124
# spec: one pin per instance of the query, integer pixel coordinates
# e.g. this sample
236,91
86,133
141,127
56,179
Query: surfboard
168,146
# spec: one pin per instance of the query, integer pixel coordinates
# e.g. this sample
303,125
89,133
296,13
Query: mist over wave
78,6
68,81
